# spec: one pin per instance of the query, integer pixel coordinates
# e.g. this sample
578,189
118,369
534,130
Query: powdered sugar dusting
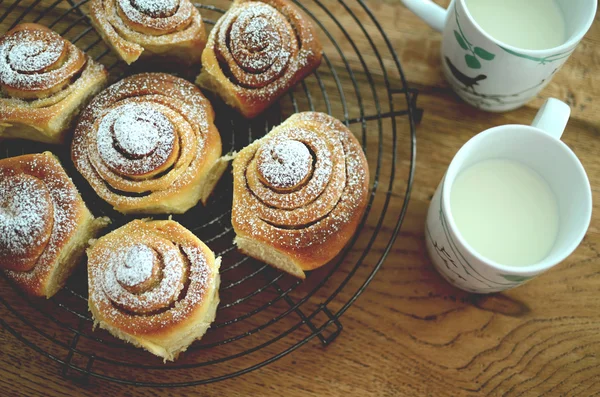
181,263
137,266
304,193
258,34
157,8
25,211
263,49
63,199
157,298
179,113
320,211
256,39
135,139
285,164
32,59
32,56
137,133
257,43
157,16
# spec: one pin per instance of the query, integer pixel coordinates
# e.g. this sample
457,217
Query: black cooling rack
264,315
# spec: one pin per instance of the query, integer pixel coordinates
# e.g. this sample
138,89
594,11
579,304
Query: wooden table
411,333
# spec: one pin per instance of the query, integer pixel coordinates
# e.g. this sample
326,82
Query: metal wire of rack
264,315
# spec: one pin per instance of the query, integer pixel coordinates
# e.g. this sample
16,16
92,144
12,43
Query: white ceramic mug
489,74
538,147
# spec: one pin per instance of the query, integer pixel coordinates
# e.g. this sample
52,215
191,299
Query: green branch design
476,53
541,61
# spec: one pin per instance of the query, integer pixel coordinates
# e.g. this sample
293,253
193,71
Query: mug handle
552,118
433,14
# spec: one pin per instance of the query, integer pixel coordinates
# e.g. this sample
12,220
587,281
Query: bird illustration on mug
469,82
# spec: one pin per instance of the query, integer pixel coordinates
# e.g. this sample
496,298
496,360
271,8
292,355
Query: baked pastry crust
45,81
256,52
134,28
153,284
44,224
148,144
299,193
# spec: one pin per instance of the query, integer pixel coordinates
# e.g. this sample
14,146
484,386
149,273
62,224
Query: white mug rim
572,42
544,264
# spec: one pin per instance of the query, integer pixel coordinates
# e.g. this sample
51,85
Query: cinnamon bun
256,52
44,81
148,144
299,193
134,28
154,284
44,224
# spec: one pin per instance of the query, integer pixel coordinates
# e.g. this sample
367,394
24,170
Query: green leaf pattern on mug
472,62
483,54
461,41
476,53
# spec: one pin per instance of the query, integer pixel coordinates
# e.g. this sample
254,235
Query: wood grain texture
411,333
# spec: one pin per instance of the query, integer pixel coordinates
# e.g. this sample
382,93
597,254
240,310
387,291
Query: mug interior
579,16
553,161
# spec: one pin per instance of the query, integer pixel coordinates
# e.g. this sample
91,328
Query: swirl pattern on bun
256,52
154,284
44,81
148,144
299,193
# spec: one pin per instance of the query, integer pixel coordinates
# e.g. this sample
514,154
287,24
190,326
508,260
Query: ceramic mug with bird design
539,148
488,73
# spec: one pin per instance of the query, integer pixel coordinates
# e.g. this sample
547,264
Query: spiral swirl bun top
171,28
146,142
138,270
156,17
301,189
146,276
153,8
41,215
26,221
137,140
284,164
151,276
36,62
257,51
257,44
